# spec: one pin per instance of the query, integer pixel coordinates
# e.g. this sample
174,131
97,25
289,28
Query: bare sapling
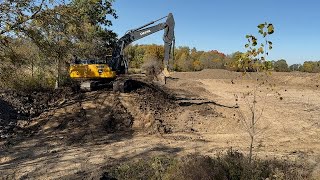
255,66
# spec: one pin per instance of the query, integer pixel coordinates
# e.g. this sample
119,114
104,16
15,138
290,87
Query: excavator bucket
162,77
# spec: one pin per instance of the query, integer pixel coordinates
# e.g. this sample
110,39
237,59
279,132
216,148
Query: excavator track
85,86
95,85
125,84
119,86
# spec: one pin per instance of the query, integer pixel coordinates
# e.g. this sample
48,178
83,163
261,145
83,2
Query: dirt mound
82,117
16,106
159,105
105,116
90,117
29,105
208,74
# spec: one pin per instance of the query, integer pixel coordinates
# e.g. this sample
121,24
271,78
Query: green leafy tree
295,67
135,55
281,66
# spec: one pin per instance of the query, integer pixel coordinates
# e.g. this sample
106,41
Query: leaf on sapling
260,50
261,31
270,29
261,26
264,34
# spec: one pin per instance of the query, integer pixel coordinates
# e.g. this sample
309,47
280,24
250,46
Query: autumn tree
181,55
195,56
311,66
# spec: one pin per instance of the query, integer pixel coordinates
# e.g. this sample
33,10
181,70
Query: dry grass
232,165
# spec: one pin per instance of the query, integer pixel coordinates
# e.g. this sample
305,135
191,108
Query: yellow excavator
92,73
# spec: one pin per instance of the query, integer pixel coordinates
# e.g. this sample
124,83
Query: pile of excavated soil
16,106
159,105
82,117
208,74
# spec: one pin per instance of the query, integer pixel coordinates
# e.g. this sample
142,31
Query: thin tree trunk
32,68
58,74
253,121
251,148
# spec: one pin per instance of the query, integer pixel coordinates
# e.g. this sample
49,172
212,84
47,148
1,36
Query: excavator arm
119,64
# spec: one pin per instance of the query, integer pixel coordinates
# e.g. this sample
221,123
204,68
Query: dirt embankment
26,112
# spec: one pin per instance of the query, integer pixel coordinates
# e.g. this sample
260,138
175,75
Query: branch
19,23
243,119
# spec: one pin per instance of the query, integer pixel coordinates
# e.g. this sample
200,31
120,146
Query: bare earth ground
196,112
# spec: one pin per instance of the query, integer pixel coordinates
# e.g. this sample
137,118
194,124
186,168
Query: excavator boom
119,63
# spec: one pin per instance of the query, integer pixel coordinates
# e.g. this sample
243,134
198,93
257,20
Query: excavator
92,73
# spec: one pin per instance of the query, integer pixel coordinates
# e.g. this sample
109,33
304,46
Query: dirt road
196,112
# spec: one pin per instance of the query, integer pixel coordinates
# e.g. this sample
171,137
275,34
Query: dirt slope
195,112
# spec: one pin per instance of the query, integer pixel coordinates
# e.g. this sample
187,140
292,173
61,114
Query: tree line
185,59
191,59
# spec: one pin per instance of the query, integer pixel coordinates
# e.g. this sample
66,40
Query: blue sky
222,25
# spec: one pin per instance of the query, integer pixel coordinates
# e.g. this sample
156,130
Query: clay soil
71,135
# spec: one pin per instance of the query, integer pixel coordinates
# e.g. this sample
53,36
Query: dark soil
79,126
25,106
160,103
